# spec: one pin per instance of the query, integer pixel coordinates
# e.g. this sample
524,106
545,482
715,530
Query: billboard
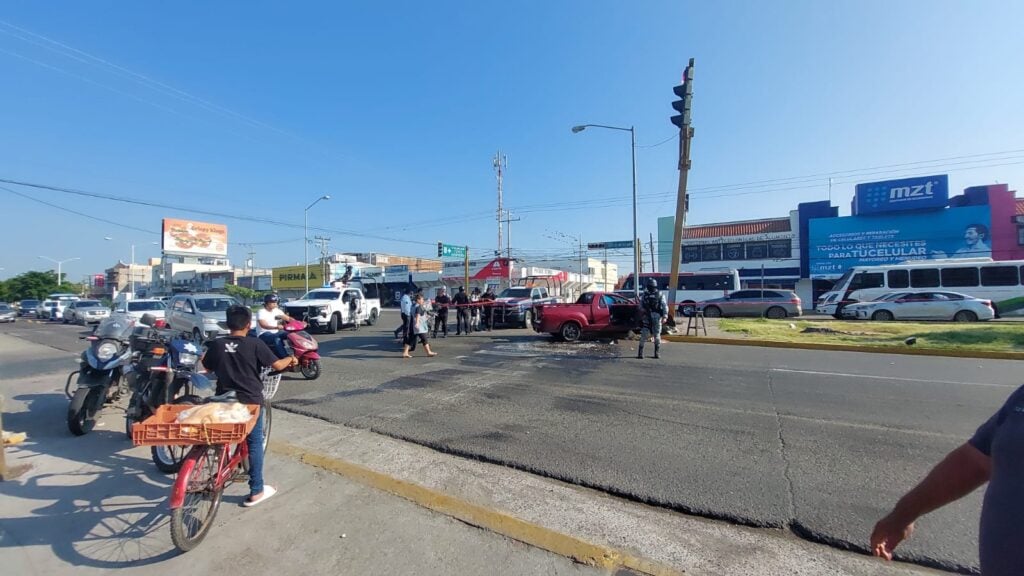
836,244
294,277
190,238
904,194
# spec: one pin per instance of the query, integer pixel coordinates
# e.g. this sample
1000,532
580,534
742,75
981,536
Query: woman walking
417,329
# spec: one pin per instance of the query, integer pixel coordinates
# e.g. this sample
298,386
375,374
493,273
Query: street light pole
636,254
305,233
59,264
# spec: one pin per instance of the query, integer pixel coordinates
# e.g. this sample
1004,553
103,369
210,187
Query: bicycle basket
271,382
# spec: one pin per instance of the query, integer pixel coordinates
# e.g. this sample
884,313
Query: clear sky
396,109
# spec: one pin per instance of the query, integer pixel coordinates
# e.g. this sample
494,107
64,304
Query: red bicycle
219,457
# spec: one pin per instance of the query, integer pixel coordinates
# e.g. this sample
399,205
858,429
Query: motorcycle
164,372
101,374
304,347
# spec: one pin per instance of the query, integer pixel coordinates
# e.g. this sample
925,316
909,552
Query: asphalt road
820,443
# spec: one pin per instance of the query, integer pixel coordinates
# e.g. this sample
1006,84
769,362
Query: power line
77,213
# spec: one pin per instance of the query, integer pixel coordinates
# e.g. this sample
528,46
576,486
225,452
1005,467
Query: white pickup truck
332,308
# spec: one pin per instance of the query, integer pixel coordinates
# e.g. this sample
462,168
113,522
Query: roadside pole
653,266
466,284
685,92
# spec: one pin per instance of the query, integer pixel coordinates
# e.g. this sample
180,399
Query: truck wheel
528,319
374,315
332,326
570,332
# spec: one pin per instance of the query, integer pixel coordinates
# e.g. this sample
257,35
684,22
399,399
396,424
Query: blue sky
395,109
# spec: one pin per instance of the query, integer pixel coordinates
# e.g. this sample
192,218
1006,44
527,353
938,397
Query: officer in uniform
441,303
653,308
487,308
462,314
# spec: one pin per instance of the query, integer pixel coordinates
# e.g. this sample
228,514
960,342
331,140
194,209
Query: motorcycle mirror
148,320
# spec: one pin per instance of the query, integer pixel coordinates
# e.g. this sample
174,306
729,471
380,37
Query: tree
34,284
245,294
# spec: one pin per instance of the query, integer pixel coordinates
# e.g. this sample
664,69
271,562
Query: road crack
791,498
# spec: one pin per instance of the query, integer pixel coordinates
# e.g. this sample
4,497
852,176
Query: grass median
989,336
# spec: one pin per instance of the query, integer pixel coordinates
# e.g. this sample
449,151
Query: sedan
8,314
761,303
136,309
924,306
86,312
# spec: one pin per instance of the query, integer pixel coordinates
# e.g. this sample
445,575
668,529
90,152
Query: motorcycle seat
229,396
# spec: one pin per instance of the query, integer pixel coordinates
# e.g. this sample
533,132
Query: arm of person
958,474
266,357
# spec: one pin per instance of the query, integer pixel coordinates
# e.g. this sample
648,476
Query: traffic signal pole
685,92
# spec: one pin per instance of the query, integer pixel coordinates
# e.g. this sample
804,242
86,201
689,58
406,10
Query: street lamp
131,267
636,253
59,264
305,233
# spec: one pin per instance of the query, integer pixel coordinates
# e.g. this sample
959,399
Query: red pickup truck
594,313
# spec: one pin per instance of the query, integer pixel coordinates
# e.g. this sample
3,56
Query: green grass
985,336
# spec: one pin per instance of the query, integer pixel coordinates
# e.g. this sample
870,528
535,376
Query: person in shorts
238,361
419,326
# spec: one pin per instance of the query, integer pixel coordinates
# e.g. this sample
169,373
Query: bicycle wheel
192,521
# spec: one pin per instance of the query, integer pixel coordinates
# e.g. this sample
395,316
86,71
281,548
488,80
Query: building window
899,279
691,253
757,250
711,252
780,248
1020,235
733,251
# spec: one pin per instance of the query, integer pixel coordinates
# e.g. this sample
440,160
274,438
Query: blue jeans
255,443
276,342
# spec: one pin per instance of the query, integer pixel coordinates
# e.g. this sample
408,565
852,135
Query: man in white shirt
405,305
268,325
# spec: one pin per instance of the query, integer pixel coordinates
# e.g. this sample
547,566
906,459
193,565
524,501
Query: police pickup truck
332,308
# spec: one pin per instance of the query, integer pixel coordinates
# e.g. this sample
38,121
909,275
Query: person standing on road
653,308
405,305
487,308
419,326
268,325
992,455
441,303
462,312
474,310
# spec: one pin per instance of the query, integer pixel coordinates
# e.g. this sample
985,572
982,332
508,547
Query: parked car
922,306
759,303
201,315
136,308
593,313
85,312
45,309
8,314
28,307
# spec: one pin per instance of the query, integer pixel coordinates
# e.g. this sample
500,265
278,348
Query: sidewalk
95,503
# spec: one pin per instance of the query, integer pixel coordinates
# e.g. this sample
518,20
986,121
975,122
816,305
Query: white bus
694,287
1000,282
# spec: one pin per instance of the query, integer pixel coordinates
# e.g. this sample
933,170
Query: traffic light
684,92
440,249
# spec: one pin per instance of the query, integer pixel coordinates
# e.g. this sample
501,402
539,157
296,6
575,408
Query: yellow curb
848,348
479,516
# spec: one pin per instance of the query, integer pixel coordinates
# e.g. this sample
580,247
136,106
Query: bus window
924,278
959,277
867,280
899,279
999,276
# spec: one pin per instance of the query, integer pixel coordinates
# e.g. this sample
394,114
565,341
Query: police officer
441,303
487,308
653,308
462,315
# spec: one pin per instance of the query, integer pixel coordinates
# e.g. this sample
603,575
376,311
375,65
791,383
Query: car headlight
210,321
106,351
321,310
187,359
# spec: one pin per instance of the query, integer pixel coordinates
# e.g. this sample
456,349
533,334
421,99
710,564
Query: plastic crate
162,429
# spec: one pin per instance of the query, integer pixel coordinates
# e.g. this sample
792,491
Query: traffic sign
610,245
452,251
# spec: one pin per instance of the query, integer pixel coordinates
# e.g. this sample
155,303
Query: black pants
411,341
441,321
462,322
404,327
487,317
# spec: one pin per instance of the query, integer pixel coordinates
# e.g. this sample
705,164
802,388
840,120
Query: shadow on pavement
89,499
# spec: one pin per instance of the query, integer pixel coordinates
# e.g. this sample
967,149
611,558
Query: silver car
759,303
8,314
932,305
135,309
201,315
85,312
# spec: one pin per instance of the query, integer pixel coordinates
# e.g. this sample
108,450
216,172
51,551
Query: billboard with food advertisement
192,238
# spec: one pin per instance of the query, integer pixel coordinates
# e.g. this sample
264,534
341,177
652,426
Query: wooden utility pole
653,265
685,93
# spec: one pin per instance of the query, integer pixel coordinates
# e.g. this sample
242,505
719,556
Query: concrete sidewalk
95,503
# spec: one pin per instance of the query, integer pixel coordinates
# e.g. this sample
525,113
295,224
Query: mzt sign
837,244
904,194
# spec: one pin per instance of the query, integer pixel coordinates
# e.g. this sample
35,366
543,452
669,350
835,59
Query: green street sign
451,251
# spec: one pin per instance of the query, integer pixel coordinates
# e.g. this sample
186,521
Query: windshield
322,295
29,303
215,304
114,328
841,283
88,304
515,293
144,306
4,307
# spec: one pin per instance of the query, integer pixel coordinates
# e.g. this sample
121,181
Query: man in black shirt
461,301
238,360
441,302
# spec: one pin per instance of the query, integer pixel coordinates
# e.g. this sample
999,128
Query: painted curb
847,348
480,516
